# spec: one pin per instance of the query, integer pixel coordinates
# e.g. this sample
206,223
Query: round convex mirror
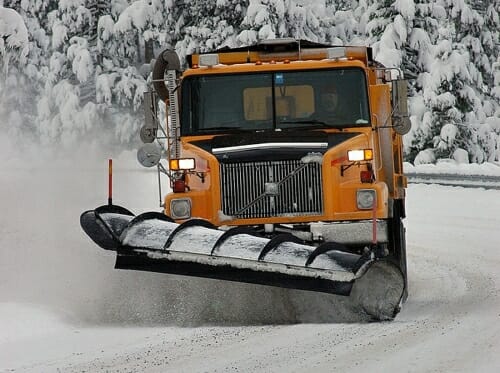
402,125
148,134
149,155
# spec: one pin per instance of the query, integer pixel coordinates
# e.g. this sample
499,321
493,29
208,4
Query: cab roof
282,49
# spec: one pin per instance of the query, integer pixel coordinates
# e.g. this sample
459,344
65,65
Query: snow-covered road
64,308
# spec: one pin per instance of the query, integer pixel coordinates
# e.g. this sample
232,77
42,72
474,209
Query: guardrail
466,181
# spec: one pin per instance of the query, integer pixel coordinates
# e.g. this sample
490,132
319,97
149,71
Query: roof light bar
209,59
335,53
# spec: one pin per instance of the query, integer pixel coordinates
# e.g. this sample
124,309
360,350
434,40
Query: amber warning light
360,155
178,164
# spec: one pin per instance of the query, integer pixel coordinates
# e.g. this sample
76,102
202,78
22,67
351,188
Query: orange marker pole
110,182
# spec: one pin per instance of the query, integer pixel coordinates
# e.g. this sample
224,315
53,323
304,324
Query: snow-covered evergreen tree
308,21
209,25
13,40
265,19
14,52
454,89
86,62
342,23
429,18
390,31
268,19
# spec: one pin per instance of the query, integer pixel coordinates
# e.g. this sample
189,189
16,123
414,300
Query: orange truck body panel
340,178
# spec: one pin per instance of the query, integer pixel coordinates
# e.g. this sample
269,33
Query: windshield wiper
309,121
303,121
221,128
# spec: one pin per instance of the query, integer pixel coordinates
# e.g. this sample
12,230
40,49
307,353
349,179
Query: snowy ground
64,308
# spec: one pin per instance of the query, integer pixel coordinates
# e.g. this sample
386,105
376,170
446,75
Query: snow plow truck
284,160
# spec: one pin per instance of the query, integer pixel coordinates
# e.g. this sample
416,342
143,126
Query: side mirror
401,125
149,155
400,117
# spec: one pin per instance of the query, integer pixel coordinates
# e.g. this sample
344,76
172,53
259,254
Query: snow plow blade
153,242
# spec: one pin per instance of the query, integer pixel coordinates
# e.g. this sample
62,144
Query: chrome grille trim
244,196
271,145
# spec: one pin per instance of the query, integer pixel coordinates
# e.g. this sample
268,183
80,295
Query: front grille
271,188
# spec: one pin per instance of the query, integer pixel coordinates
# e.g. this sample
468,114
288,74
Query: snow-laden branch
13,38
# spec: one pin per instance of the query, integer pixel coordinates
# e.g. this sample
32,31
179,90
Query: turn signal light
179,186
182,164
360,155
367,176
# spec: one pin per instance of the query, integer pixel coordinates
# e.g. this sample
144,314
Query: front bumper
350,232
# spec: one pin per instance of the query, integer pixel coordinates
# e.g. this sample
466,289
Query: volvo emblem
272,189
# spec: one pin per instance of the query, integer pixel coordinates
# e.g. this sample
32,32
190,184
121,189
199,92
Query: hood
271,146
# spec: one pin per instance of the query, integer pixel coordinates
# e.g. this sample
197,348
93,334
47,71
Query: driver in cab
329,109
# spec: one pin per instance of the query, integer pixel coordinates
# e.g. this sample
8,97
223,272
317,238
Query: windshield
276,100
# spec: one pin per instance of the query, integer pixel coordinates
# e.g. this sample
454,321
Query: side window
341,95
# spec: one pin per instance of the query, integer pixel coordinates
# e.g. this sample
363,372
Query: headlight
180,208
366,198
182,164
360,155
